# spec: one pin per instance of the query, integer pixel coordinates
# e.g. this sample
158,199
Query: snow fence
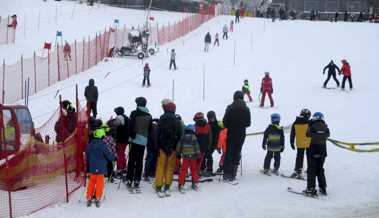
7,34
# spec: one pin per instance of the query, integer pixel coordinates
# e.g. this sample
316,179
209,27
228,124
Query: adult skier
318,131
92,96
298,133
121,124
346,71
207,42
140,126
236,119
266,88
172,59
237,20
146,75
331,67
225,32
67,51
215,131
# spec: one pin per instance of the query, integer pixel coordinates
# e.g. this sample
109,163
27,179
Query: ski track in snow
295,53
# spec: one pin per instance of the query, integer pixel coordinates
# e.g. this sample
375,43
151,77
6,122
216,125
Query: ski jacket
331,67
222,140
225,29
173,55
299,132
169,132
346,70
273,137
216,36
318,131
140,126
91,92
122,129
215,131
246,88
208,38
111,144
266,84
237,116
67,48
203,135
146,71
65,126
188,147
13,24
97,155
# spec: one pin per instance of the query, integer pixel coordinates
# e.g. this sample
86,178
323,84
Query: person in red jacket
266,88
346,71
67,51
13,23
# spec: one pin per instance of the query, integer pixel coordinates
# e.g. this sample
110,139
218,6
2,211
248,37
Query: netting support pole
96,40
10,204
7,30
48,67
65,175
22,77
58,62
76,59
89,52
35,73
3,91
83,55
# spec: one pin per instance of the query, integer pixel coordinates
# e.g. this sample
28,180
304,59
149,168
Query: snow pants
344,80
165,169
206,47
121,159
316,169
225,35
92,106
269,156
200,161
222,160
146,78
135,163
235,140
172,63
264,96
237,20
208,161
192,164
150,162
249,96
96,182
216,42
300,159
334,77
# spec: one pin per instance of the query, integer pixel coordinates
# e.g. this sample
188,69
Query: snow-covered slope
295,53
38,22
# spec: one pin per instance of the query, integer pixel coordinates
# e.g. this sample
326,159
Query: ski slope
38,22
294,52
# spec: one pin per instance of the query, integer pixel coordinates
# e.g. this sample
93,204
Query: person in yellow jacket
298,133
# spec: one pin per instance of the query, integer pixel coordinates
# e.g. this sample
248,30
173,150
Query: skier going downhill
331,67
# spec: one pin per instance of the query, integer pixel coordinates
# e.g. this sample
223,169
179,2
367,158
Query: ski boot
137,188
129,186
160,192
323,191
195,186
181,189
275,171
89,203
310,192
167,190
97,203
219,170
294,175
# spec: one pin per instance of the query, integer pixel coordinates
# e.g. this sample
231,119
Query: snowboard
289,177
291,190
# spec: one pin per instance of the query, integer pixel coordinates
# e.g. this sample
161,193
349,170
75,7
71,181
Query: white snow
294,52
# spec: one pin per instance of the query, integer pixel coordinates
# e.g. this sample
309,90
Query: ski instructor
236,119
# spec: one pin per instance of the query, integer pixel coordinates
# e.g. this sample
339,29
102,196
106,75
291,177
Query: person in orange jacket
221,146
346,71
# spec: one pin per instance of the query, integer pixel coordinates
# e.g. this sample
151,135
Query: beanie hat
141,102
170,107
119,110
238,95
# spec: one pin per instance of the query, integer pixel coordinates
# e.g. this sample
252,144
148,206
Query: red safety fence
43,173
7,34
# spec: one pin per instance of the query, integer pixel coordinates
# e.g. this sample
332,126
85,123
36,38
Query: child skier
221,146
207,42
111,145
298,132
225,32
215,130
274,139
231,28
189,150
204,137
319,132
146,75
246,89
97,156
217,41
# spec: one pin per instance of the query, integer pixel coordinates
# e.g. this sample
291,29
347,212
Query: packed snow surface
294,52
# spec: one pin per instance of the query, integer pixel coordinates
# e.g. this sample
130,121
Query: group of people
225,31
171,145
345,71
266,89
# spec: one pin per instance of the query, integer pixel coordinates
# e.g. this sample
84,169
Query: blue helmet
275,118
190,127
318,116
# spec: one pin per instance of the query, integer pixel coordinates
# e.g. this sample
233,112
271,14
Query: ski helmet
190,127
267,73
99,133
221,124
306,113
119,110
211,115
275,118
141,102
198,116
238,95
246,81
318,116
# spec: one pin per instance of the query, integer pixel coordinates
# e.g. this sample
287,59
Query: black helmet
141,101
306,113
119,110
91,82
238,95
211,115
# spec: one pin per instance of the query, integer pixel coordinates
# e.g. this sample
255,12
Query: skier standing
204,138
172,59
266,88
346,71
66,123
67,51
225,32
189,150
331,67
215,131
237,20
169,134
97,155
237,118
318,131
207,42
151,153
222,146
92,96
298,132
146,75
216,40
139,128
231,27
121,123
246,90
273,137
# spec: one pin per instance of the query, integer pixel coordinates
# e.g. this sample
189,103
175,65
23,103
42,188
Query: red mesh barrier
7,34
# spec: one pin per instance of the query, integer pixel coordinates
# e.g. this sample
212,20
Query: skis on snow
291,190
290,177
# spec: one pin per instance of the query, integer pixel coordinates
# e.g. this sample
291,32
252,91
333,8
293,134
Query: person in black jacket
236,119
273,137
215,131
204,137
140,127
238,13
318,131
91,95
331,67
207,42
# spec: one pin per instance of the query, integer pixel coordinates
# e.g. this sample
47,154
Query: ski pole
241,164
